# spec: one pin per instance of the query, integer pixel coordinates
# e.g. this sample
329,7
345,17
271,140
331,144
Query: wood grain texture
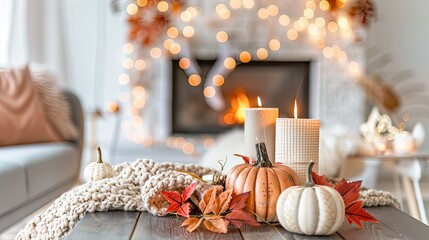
151,227
369,231
112,225
400,222
276,231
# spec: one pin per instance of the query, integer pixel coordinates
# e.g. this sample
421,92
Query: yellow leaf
192,223
191,174
216,225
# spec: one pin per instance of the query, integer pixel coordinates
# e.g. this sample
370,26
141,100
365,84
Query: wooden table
118,225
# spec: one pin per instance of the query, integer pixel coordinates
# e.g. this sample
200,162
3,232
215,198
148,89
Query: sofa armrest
77,117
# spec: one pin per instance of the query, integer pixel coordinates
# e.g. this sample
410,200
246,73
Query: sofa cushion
22,115
46,164
12,186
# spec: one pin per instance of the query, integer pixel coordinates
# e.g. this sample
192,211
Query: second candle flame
259,102
295,110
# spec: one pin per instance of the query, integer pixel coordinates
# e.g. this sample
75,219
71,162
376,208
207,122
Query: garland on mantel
136,186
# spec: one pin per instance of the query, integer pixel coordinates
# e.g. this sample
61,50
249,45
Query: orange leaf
239,201
222,202
356,214
216,225
245,158
192,223
238,217
208,200
350,191
178,202
320,180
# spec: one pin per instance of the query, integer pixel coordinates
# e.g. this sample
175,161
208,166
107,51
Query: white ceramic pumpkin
311,209
98,170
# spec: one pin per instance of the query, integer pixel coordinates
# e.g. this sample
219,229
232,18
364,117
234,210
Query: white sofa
32,175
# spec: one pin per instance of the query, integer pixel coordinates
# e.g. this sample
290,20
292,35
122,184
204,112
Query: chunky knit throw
136,186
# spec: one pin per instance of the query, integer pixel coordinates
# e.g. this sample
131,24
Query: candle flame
259,102
295,110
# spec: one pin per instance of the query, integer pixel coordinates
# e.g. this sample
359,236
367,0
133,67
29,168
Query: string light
222,36
284,20
274,44
324,5
140,65
142,3
262,53
186,16
273,10
194,80
155,52
328,52
292,34
132,9
332,27
245,57
308,13
124,79
229,63
188,31
218,80
235,4
175,48
163,6
128,48
209,92
248,4
263,13
128,63
184,63
311,5
172,32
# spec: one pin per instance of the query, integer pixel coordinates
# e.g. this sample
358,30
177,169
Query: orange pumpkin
265,181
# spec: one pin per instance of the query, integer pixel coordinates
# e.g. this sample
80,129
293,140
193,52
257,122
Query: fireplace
276,82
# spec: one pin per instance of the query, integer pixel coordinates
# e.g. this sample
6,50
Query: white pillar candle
297,144
260,126
403,143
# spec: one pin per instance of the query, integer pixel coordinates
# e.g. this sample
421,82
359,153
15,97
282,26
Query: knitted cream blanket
136,186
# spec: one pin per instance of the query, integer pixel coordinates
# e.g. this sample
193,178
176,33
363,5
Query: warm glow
274,44
193,11
124,79
332,27
320,22
167,43
209,92
128,48
324,5
295,110
245,57
292,34
262,53
235,4
127,63
222,11
155,52
132,9
273,10
186,16
259,102
284,20
221,36
142,3
139,91
308,13
218,80
136,121
343,22
140,65
139,102
235,114
194,80
188,148
354,67
188,31
162,6
175,48
172,32
313,30
342,57
184,63
112,107
263,13
311,5
229,63
328,52
248,4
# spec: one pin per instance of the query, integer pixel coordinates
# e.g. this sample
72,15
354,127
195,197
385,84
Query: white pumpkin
311,209
98,170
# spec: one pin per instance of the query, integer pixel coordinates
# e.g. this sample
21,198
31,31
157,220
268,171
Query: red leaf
178,202
186,194
245,158
238,202
238,217
350,191
320,180
355,214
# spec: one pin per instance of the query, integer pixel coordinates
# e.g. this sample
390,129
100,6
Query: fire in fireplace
276,82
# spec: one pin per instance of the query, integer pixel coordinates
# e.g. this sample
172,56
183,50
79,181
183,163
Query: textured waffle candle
260,126
297,143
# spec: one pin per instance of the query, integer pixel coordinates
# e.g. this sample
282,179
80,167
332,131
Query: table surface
119,225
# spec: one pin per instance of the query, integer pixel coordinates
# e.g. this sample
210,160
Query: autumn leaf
355,214
208,200
245,158
320,180
178,202
350,191
222,202
238,217
192,223
216,225
238,201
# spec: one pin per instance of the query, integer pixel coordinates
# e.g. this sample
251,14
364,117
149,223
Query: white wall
402,32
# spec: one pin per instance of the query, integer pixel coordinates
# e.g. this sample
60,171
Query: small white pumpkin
98,170
311,209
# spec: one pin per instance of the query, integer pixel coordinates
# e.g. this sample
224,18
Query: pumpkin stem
310,182
262,155
100,158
